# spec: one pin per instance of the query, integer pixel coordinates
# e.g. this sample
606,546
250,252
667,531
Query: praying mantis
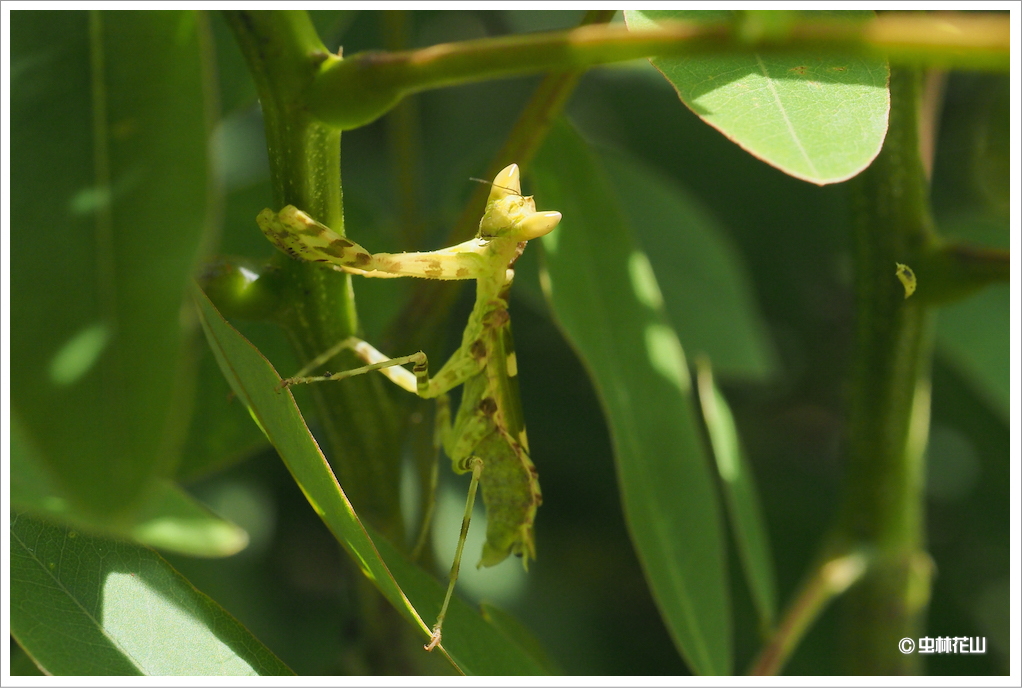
487,437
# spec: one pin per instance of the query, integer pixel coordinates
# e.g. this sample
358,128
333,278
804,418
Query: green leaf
974,336
692,258
21,663
606,299
221,432
82,605
744,512
255,382
112,197
170,519
473,645
815,117
513,629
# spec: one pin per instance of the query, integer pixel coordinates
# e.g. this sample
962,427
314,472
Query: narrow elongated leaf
473,645
221,432
83,605
745,515
692,258
816,117
108,207
974,336
606,299
514,631
476,645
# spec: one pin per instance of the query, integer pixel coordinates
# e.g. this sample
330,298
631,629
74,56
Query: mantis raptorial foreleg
487,437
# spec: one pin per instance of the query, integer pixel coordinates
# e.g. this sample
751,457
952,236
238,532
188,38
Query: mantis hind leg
477,470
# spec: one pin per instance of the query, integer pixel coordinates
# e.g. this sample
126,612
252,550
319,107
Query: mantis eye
538,224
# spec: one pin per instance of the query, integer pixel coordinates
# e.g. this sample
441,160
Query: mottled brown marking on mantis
478,349
487,437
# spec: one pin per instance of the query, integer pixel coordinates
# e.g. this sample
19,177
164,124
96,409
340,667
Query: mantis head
510,214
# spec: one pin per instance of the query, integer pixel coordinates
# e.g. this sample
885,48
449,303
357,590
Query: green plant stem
431,301
283,52
953,271
382,79
882,504
828,580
